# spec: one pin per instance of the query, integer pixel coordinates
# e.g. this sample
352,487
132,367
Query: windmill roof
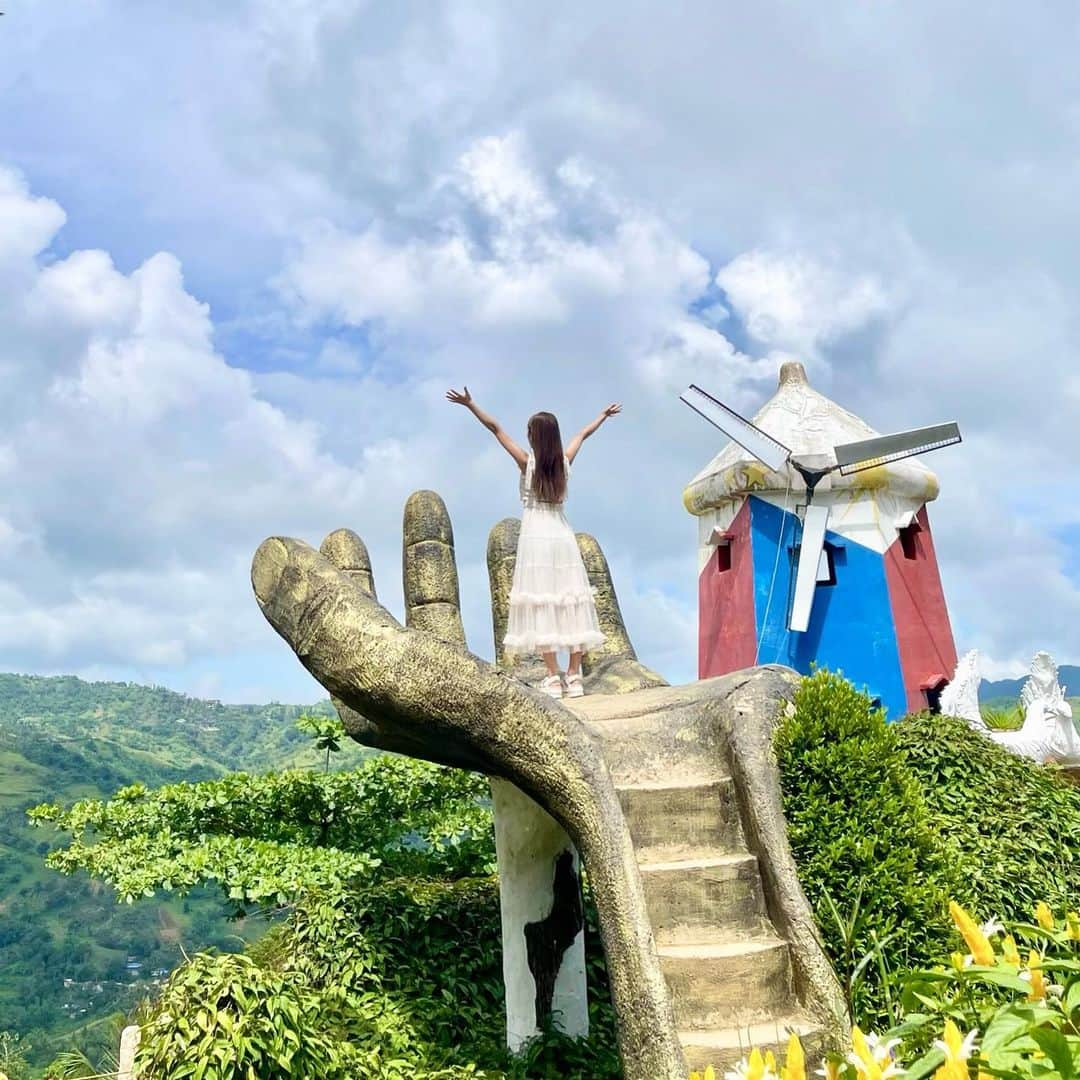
810,425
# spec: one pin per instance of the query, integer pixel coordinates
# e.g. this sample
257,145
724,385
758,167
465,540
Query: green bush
888,822
1015,823
1017,991
400,979
862,835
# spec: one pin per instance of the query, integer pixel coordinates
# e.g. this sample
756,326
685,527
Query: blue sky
245,248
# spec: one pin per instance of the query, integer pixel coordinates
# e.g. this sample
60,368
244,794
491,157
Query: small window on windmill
909,539
832,552
721,540
932,690
826,571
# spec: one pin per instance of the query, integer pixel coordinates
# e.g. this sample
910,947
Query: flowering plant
1008,1007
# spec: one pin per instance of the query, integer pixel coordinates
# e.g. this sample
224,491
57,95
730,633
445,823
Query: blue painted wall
851,623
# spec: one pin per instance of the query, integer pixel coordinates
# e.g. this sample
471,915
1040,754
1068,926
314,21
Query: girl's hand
611,410
459,398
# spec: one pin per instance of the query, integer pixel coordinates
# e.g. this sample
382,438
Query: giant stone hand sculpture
416,690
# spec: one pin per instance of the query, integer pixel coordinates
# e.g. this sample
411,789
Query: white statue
961,696
1048,732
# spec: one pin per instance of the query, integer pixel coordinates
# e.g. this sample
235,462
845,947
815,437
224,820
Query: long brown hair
549,472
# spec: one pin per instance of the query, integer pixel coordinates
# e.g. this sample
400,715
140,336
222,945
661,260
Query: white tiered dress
551,601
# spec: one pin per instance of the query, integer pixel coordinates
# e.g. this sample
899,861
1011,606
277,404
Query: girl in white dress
551,602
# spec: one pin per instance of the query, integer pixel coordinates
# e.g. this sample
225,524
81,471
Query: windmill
884,618
850,458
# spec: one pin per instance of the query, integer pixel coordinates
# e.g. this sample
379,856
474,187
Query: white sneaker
574,686
552,686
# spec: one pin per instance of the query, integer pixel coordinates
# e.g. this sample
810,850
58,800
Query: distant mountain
1068,674
69,954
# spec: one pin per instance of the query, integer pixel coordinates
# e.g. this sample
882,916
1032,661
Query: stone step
689,899
723,1048
733,982
668,821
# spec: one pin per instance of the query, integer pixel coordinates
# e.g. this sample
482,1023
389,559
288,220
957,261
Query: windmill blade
806,576
867,453
737,428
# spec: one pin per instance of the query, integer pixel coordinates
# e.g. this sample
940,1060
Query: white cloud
512,253
793,302
27,223
533,201
142,469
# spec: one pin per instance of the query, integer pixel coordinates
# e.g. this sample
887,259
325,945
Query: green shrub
1015,823
889,821
862,834
1008,1009
1002,718
399,979
1014,987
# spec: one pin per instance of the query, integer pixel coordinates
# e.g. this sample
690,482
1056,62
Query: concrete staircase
728,969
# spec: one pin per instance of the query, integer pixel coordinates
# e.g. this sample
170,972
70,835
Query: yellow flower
982,952
1044,916
795,1064
957,1049
755,1065
871,1057
1038,986
1073,922
959,960
708,1074
1009,950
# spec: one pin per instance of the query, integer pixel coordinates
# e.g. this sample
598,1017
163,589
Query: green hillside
69,954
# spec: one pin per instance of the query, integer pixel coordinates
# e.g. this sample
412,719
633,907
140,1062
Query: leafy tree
270,839
387,963
328,731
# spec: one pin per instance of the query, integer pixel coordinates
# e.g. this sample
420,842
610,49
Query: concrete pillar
129,1043
542,920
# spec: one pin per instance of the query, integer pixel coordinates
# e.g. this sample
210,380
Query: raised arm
588,429
465,398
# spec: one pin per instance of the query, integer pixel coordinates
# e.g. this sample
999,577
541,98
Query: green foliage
327,731
401,979
391,948
224,1017
1023,1000
1002,718
1001,1011
75,1065
887,820
63,739
151,733
1015,824
13,1064
861,833
270,839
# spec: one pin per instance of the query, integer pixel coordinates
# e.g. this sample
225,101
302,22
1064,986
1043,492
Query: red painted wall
727,638
923,631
